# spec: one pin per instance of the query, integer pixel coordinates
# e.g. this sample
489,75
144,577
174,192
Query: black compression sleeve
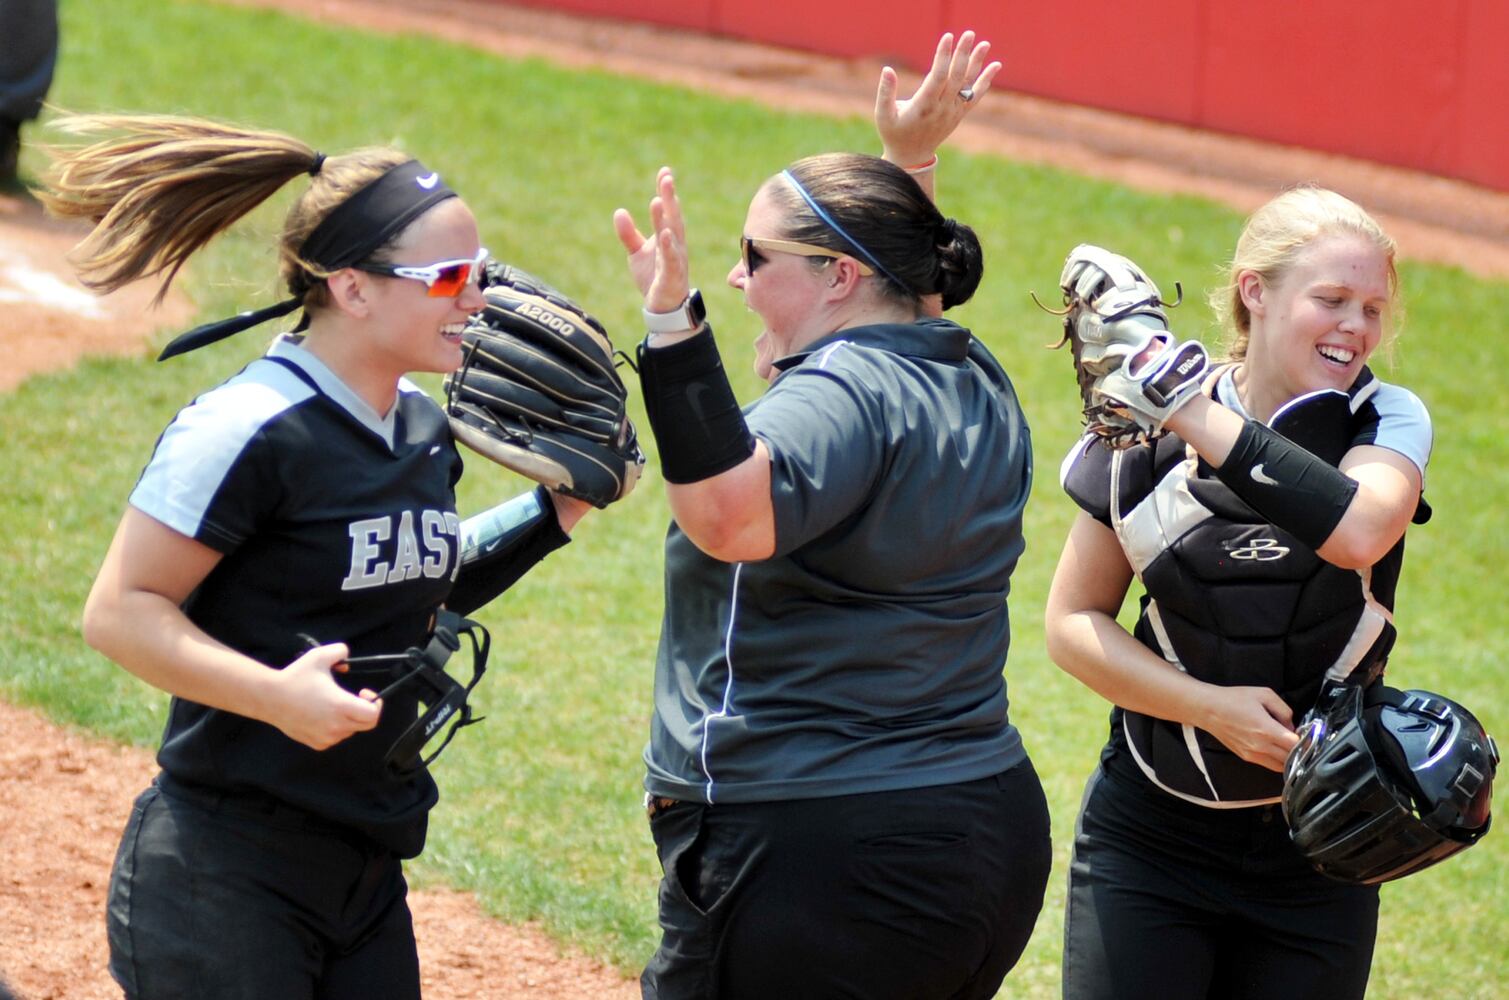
1287,484
500,545
693,413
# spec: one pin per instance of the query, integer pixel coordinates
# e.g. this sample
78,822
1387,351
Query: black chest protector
1233,599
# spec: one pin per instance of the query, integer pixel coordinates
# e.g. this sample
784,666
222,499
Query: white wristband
687,316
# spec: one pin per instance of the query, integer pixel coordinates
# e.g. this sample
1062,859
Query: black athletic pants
1169,900
915,894
228,898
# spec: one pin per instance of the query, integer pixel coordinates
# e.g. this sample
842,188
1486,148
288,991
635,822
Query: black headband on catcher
444,698
352,231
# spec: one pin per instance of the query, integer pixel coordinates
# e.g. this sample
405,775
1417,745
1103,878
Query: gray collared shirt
867,653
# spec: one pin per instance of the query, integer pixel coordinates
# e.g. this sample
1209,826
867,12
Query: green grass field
540,813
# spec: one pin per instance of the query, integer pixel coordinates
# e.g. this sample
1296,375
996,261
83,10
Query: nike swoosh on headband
428,181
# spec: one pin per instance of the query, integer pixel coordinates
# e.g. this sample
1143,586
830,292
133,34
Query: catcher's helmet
1385,782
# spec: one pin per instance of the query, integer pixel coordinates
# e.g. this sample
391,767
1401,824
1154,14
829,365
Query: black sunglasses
750,246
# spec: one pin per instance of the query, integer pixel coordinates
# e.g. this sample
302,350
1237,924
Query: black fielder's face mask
422,672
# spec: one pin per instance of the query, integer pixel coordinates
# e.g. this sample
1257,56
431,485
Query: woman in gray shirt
839,801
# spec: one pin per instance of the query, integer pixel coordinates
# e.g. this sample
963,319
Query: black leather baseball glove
538,391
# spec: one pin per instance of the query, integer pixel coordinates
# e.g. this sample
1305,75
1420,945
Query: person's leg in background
27,59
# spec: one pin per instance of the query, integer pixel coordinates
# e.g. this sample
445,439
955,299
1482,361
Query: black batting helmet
1386,782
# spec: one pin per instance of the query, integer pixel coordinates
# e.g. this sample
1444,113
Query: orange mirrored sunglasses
445,279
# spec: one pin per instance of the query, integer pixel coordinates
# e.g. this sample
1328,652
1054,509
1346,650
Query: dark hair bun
961,263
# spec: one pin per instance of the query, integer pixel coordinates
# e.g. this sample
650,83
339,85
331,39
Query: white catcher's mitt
1132,373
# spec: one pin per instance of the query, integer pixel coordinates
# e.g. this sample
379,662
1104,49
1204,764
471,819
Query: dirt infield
52,889
64,800
47,319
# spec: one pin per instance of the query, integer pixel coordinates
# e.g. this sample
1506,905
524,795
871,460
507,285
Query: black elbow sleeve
1288,485
694,416
500,545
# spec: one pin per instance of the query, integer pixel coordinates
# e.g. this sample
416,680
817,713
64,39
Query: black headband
352,231
369,218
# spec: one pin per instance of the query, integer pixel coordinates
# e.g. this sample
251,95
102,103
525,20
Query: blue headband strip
832,224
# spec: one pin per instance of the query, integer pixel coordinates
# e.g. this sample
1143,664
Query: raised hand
658,261
911,130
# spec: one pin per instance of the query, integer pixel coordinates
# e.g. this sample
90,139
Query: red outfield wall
1416,84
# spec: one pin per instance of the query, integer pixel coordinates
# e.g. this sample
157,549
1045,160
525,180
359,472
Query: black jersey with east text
335,523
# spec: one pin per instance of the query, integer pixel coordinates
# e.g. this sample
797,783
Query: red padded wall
889,30
695,14
1483,117
1371,80
1094,52
1397,81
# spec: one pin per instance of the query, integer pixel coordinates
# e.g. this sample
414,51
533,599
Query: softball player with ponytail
298,515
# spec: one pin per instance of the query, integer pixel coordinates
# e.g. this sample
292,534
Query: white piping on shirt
728,685
821,360
821,357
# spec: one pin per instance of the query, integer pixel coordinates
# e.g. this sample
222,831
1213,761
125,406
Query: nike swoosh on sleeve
1259,476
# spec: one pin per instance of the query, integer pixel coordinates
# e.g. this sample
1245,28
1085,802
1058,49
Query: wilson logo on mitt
1133,374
